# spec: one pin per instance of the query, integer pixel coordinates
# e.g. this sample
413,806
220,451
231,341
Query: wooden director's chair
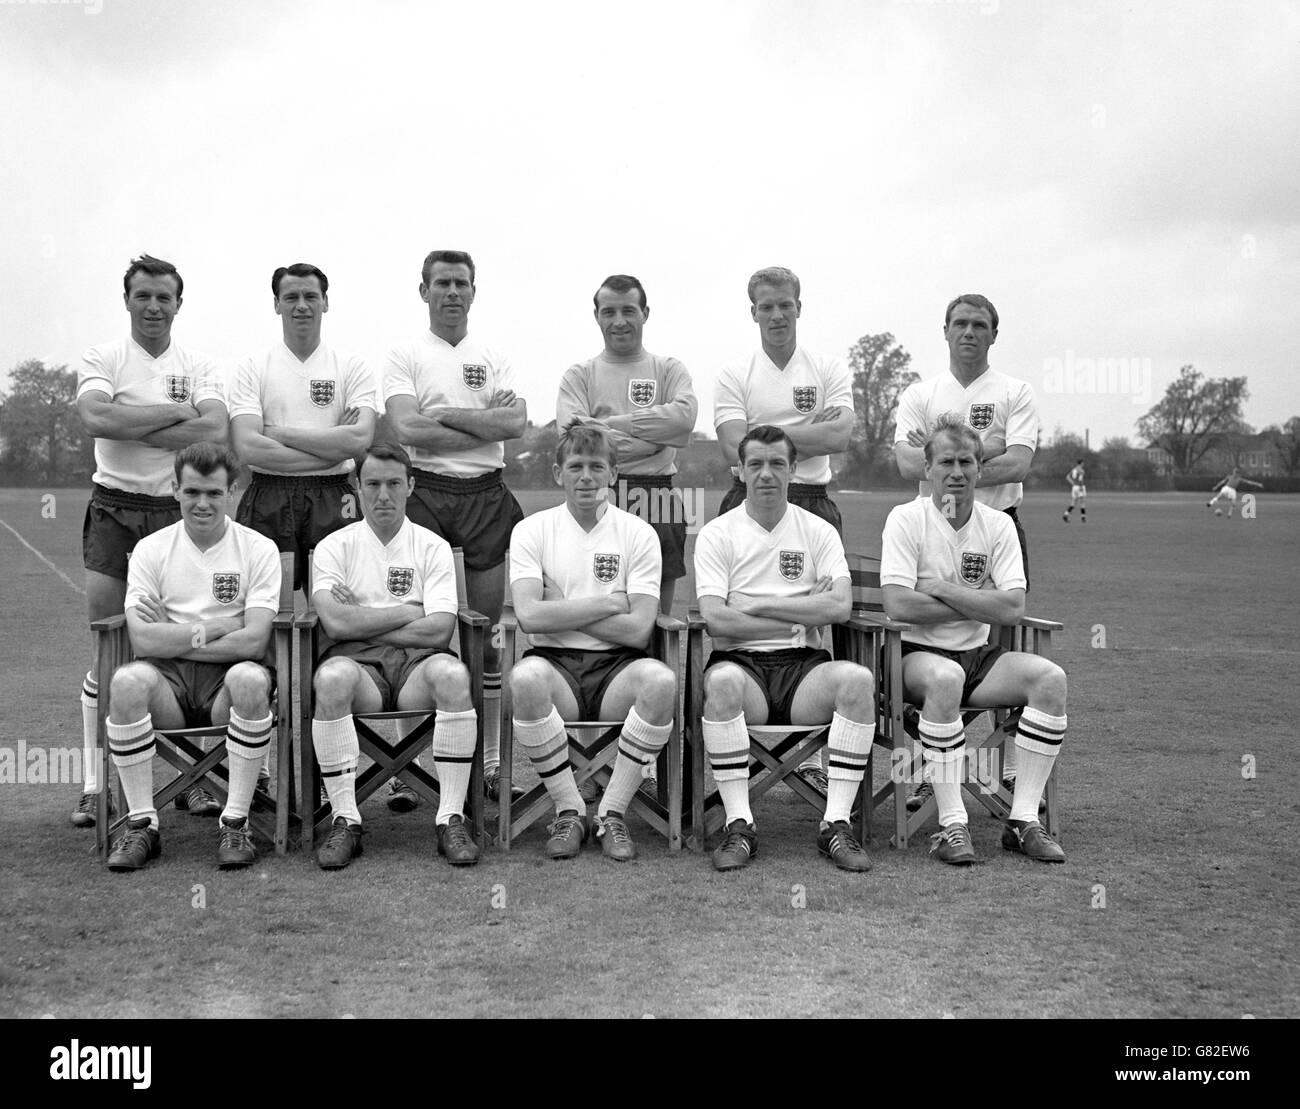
389,759
895,719
593,746
269,816
855,640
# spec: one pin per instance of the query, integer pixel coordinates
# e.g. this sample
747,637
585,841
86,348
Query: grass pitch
1178,898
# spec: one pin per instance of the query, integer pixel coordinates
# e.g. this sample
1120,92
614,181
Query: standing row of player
299,414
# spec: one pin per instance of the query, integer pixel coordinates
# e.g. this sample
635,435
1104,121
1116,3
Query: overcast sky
1119,178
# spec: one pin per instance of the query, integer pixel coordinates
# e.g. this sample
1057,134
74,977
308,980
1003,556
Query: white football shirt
756,392
130,375
238,572
736,554
281,391
920,544
994,405
463,376
619,555
416,566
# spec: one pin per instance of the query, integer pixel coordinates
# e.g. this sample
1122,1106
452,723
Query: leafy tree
1194,416
881,371
1287,441
43,438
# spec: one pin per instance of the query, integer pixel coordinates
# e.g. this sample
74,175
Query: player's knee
249,685
854,687
448,678
658,688
530,682
1048,690
132,683
942,687
724,690
334,681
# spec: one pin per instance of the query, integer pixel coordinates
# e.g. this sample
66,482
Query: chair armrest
307,621
1041,625
109,623
283,622
875,621
467,615
669,623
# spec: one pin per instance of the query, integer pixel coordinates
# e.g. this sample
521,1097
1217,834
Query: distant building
1255,454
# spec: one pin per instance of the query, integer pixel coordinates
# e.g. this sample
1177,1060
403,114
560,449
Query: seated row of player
769,577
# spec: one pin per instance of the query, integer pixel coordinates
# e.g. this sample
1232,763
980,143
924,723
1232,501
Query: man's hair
975,300
768,435
385,452
154,267
580,438
953,424
773,275
206,459
621,283
1078,461
451,257
299,269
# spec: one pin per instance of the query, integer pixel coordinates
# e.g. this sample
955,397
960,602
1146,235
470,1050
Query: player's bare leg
936,684
342,688
542,701
442,681
644,695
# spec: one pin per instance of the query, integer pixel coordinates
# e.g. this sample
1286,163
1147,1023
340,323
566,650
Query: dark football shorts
1024,547
389,667
975,663
196,685
588,673
116,521
297,512
653,499
811,498
778,674
476,514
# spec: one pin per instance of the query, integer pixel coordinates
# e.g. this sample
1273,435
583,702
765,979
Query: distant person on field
1078,493
1226,490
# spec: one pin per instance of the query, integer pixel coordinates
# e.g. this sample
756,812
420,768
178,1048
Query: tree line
42,441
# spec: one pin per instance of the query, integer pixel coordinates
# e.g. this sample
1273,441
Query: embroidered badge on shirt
322,393
981,416
805,398
473,375
641,391
974,567
605,567
225,587
178,388
791,563
400,580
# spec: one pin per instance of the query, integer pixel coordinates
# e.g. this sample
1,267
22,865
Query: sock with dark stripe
639,745
454,737
727,745
1038,741
943,748
337,751
491,719
847,749
89,734
247,744
548,748
132,746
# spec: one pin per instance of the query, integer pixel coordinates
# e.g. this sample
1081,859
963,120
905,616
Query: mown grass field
1201,632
